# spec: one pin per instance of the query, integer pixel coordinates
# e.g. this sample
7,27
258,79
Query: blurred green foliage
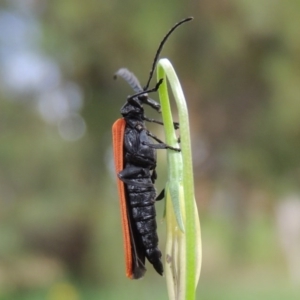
238,61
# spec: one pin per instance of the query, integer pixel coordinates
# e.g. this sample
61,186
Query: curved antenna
160,48
130,78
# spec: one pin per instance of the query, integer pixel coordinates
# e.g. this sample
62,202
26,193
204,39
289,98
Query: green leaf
183,247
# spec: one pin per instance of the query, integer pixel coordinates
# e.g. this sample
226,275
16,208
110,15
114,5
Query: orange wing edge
118,131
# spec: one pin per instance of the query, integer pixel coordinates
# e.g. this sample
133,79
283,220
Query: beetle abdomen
142,214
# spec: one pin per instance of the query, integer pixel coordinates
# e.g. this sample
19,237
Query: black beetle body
135,165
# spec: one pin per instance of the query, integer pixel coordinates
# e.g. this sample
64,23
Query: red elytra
118,131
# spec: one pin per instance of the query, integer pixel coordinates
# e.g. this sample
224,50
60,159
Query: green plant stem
180,174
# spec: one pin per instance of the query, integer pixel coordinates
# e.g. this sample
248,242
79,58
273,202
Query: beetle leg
161,195
147,91
155,105
176,124
161,144
129,175
153,176
133,102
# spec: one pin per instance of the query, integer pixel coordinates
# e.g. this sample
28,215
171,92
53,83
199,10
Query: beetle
135,164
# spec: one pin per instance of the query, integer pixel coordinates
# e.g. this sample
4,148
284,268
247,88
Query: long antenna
130,78
160,48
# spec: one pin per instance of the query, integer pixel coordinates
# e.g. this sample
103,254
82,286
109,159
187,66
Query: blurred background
239,65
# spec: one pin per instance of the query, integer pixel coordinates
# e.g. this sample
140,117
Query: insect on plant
135,163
